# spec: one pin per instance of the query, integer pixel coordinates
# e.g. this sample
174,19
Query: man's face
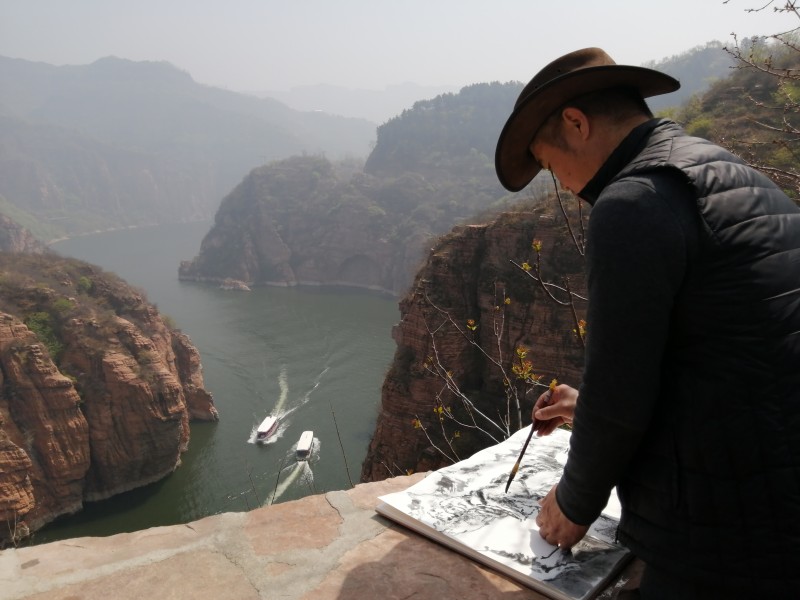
571,147
564,162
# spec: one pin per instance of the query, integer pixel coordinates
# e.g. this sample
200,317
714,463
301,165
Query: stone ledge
324,547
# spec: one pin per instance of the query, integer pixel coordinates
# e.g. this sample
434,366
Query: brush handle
519,459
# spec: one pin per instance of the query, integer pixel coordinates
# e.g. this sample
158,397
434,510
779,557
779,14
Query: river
316,356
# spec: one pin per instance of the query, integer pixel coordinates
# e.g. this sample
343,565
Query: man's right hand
554,408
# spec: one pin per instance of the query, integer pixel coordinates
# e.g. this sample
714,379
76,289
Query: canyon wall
468,312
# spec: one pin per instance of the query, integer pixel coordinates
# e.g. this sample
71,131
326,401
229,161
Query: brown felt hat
568,77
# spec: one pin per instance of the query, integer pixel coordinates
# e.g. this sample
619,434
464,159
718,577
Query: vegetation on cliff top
47,291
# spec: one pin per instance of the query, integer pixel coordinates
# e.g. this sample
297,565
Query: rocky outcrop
190,370
469,310
235,285
304,221
97,390
16,239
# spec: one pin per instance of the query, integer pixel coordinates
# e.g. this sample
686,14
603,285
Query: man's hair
615,104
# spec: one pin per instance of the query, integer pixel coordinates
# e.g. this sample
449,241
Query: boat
304,445
268,427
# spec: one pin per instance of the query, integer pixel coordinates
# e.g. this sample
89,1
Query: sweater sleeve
636,258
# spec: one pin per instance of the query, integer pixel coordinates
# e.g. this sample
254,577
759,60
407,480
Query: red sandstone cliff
96,394
468,274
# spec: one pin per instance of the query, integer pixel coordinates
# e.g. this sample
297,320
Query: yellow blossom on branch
537,245
471,324
581,331
526,267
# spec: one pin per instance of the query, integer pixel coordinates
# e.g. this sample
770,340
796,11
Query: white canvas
464,506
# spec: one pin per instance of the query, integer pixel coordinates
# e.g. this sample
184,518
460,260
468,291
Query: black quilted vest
715,491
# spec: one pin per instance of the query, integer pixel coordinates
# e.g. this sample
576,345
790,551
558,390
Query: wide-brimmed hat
564,79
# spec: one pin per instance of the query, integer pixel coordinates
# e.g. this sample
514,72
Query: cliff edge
324,547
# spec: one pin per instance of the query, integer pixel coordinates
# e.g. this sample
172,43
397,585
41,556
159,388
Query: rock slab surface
331,546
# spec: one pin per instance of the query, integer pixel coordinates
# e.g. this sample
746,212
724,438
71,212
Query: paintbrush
519,460
525,445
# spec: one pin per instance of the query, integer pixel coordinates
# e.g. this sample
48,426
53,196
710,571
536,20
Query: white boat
267,428
304,445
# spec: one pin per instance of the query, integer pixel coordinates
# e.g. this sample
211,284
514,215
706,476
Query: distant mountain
119,143
57,181
153,122
307,220
754,114
375,105
450,136
697,69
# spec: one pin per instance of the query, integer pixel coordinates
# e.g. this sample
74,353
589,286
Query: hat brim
514,162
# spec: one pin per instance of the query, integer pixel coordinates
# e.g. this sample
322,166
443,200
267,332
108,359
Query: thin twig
341,445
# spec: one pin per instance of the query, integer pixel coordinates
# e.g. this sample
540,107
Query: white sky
368,44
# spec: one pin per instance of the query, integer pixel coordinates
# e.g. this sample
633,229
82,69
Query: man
690,398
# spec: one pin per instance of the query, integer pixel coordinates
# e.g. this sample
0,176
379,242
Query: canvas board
464,506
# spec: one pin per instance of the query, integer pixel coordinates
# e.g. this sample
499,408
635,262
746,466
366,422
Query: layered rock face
44,432
97,390
469,311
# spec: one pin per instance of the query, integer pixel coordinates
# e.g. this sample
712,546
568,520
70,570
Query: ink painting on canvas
465,507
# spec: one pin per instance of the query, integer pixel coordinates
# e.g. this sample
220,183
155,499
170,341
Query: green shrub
41,323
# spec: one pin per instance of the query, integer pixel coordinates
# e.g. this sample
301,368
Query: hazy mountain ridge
374,105
65,182
119,143
192,142
697,69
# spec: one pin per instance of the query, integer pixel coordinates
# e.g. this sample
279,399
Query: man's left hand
554,527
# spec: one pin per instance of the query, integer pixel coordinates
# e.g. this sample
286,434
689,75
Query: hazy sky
275,45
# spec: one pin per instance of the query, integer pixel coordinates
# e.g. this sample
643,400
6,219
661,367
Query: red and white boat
267,428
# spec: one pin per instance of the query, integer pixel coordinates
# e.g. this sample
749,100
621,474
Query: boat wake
301,470
283,384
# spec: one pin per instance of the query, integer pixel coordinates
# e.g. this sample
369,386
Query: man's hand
554,408
554,527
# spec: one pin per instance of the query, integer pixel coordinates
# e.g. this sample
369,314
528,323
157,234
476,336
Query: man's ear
576,122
